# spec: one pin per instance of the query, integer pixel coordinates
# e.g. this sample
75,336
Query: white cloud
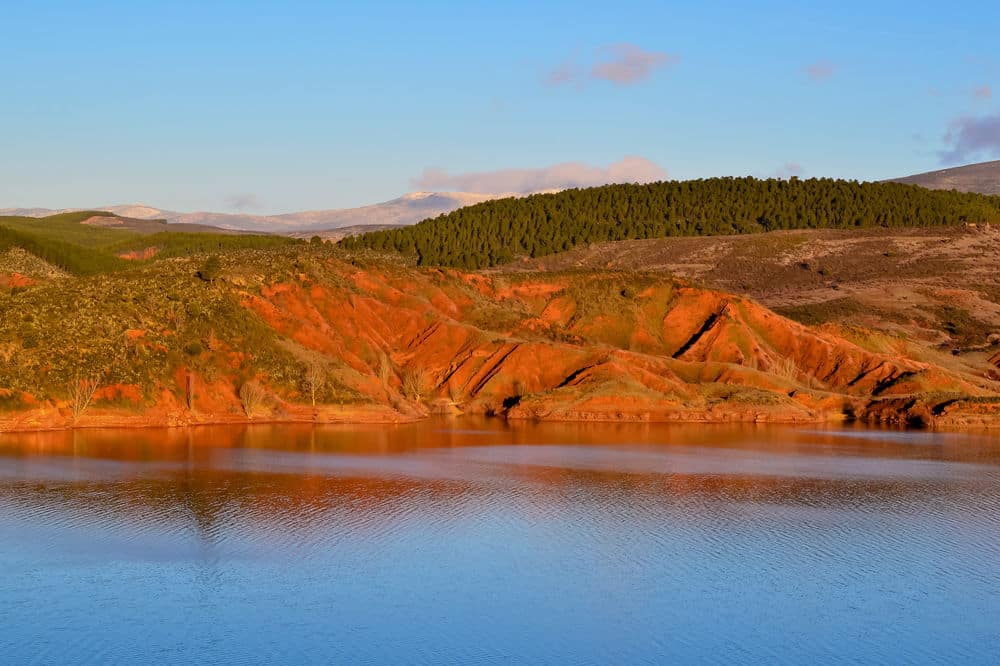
632,169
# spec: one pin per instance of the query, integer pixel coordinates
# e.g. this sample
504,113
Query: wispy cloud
619,64
788,170
632,169
563,74
627,64
243,201
821,70
972,137
983,92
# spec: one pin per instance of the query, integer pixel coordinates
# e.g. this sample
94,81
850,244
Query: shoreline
50,420
53,420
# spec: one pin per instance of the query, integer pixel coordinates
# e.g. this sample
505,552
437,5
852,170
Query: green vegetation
814,314
209,272
86,249
68,228
185,244
76,259
495,232
138,327
964,328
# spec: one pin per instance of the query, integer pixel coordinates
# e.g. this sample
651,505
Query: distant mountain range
411,208
407,209
983,178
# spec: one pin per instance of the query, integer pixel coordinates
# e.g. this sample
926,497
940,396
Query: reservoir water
477,542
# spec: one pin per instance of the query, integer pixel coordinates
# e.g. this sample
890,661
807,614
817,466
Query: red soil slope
572,346
535,349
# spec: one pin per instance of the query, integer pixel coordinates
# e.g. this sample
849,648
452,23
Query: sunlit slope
170,346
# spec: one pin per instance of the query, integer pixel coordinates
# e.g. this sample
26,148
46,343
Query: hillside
92,242
936,285
497,232
272,329
334,235
983,178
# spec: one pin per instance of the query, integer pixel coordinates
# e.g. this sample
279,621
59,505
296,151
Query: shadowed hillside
983,178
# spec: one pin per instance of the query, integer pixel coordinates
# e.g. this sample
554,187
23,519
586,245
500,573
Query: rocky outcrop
585,347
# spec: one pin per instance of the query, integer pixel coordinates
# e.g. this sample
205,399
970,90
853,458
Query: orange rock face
539,349
15,280
565,346
140,255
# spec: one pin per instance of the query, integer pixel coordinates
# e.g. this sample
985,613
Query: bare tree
414,383
251,395
212,341
315,378
190,390
384,370
81,395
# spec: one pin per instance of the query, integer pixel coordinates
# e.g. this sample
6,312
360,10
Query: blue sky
271,107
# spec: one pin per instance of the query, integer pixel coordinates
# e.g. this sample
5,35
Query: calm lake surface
475,542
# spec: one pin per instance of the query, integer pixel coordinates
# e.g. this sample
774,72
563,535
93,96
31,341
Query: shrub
81,395
252,395
414,383
211,269
314,378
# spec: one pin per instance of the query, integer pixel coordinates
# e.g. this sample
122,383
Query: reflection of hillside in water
284,487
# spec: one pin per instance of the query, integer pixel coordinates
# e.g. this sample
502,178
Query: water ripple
432,544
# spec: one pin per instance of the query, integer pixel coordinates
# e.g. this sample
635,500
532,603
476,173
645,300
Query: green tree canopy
496,232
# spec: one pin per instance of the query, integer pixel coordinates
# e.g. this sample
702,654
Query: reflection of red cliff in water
297,480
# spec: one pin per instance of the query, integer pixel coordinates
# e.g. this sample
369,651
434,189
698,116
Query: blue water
476,543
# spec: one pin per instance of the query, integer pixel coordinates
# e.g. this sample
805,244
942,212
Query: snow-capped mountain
407,209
